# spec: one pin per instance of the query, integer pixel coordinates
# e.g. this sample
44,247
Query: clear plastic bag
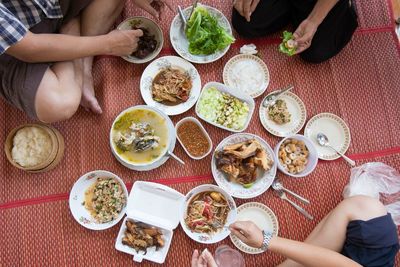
379,181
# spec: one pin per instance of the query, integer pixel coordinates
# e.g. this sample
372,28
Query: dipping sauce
193,138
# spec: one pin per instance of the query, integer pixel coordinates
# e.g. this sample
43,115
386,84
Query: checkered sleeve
11,29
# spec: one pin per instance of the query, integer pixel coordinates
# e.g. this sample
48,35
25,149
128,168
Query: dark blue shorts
372,243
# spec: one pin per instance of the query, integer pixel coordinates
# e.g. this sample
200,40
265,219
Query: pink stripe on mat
177,180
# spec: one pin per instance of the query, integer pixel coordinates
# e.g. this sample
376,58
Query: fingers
246,10
238,4
149,9
209,259
138,33
239,234
254,5
168,5
195,258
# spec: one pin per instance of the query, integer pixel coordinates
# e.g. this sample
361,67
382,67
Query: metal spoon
271,99
175,157
277,185
182,17
323,141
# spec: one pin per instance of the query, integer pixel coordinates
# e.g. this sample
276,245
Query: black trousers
272,15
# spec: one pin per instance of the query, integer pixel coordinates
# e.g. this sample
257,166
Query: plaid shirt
18,16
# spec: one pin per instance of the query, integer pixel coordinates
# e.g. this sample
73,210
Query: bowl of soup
141,136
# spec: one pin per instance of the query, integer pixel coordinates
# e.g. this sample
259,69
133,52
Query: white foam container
238,94
156,205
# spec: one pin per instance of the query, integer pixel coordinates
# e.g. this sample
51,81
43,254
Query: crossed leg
66,85
330,233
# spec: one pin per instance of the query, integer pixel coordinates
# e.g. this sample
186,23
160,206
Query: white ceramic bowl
158,161
239,95
201,128
77,197
312,156
152,27
215,237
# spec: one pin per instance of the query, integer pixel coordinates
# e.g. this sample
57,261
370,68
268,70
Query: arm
320,10
305,254
61,47
305,31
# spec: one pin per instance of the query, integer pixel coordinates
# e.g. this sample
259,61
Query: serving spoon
175,157
271,99
324,141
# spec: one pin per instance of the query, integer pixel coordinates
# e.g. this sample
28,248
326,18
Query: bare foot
88,100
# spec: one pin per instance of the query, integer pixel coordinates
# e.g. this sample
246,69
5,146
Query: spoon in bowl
324,141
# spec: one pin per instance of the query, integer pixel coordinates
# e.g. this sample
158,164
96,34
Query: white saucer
334,128
259,214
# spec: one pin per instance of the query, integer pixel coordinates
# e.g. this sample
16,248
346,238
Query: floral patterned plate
262,216
158,65
298,113
264,179
77,200
213,237
181,44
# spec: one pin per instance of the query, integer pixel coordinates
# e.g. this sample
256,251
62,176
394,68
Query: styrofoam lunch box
238,94
156,205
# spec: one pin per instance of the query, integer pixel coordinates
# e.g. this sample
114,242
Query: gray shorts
19,81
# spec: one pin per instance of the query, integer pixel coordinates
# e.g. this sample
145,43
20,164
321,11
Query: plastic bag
379,181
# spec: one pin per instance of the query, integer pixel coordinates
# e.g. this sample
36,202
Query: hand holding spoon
323,141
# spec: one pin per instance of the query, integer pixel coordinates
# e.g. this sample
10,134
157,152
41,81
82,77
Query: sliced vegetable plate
224,107
180,41
264,178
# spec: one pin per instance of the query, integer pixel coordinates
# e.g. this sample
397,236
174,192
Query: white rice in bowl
31,146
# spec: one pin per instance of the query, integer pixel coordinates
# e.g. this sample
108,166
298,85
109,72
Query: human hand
248,232
245,7
304,34
153,7
123,42
203,260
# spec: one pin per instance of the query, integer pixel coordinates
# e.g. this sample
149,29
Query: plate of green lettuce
206,38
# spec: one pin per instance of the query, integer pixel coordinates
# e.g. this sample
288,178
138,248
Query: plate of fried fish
170,84
243,165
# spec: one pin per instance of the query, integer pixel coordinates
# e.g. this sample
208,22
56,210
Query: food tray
225,89
156,205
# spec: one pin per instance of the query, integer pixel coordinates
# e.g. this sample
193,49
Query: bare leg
96,19
60,90
330,233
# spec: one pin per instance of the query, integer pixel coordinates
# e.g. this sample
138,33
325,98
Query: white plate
158,65
181,44
228,75
203,237
264,179
77,197
262,216
239,95
296,108
334,128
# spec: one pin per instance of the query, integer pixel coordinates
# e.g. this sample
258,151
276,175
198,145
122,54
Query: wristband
267,239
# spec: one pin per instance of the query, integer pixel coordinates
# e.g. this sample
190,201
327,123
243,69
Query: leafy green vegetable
286,47
204,34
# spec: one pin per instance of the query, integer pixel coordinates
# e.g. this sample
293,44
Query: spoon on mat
324,141
175,157
277,185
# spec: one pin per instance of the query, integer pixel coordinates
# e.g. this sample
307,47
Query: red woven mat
361,85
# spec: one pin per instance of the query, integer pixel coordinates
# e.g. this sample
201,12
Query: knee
244,28
363,207
56,107
316,55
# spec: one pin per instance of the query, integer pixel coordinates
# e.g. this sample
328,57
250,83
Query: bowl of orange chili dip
193,137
